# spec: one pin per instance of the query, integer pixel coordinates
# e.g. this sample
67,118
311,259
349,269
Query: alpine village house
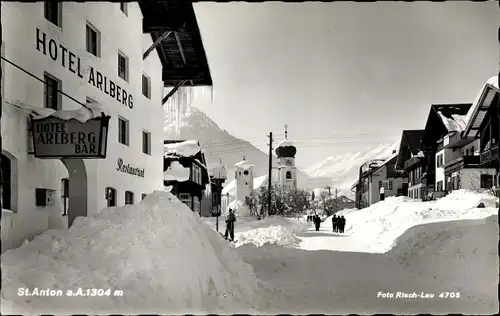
190,192
458,149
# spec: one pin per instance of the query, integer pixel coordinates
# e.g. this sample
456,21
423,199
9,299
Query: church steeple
286,131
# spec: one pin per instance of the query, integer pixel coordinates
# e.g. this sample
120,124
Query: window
197,205
6,184
288,175
245,172
123,132
65,195
110,196
467,152
52,12
122,66
143,196
472,150
486,181
124,7
390,185
93,39
146,86
379,184
51,95
146,142
185,198
129,197
439,186
439,161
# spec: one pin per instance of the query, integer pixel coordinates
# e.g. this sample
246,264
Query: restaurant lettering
69,60
126,168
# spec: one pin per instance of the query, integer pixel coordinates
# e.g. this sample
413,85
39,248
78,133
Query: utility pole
270,172
329,191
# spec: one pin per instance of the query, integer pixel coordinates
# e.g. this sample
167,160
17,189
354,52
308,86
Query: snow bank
273,230
376,228
274,235
176,172
186,148
158,252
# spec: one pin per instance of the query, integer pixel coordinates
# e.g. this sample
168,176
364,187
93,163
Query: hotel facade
93,53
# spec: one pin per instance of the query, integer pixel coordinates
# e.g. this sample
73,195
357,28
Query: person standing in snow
382,193
334,223
230,220
342,224
317,222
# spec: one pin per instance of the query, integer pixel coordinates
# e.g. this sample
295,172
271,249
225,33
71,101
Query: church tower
287,172
244,175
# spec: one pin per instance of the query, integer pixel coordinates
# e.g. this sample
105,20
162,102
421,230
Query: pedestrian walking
317,222
382,193
230,220
334,223
342,224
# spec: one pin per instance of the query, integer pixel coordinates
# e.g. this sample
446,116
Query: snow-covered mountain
218,144
344,169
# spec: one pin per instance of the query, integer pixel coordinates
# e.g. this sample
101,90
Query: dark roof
450,109
413,139
182,53
435,128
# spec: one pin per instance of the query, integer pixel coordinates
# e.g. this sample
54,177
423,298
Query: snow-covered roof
176,172
82,114
245,165
217,170
258,182
456,123
493,81
285,143
186,148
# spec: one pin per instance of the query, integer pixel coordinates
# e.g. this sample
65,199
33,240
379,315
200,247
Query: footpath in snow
376,228
158,253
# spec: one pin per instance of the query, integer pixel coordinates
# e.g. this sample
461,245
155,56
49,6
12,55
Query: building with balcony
410,162
443,120
186,171
378,173
71,54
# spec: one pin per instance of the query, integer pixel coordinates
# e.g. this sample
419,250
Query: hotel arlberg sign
57,138
54,137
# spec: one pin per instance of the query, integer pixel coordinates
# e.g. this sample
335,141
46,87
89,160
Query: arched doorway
9,183
77,188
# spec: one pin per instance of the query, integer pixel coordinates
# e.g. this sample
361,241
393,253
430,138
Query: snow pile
274,235
274,230
346,211
186,148
454,124
176,172
158,252
465,199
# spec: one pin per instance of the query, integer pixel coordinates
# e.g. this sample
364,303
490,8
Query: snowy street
334,282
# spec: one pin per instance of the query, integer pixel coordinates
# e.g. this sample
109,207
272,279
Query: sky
342,75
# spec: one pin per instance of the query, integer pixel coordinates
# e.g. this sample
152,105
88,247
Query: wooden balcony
489,155
460,163
412,162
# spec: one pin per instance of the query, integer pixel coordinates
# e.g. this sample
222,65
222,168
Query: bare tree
474,178
252,201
